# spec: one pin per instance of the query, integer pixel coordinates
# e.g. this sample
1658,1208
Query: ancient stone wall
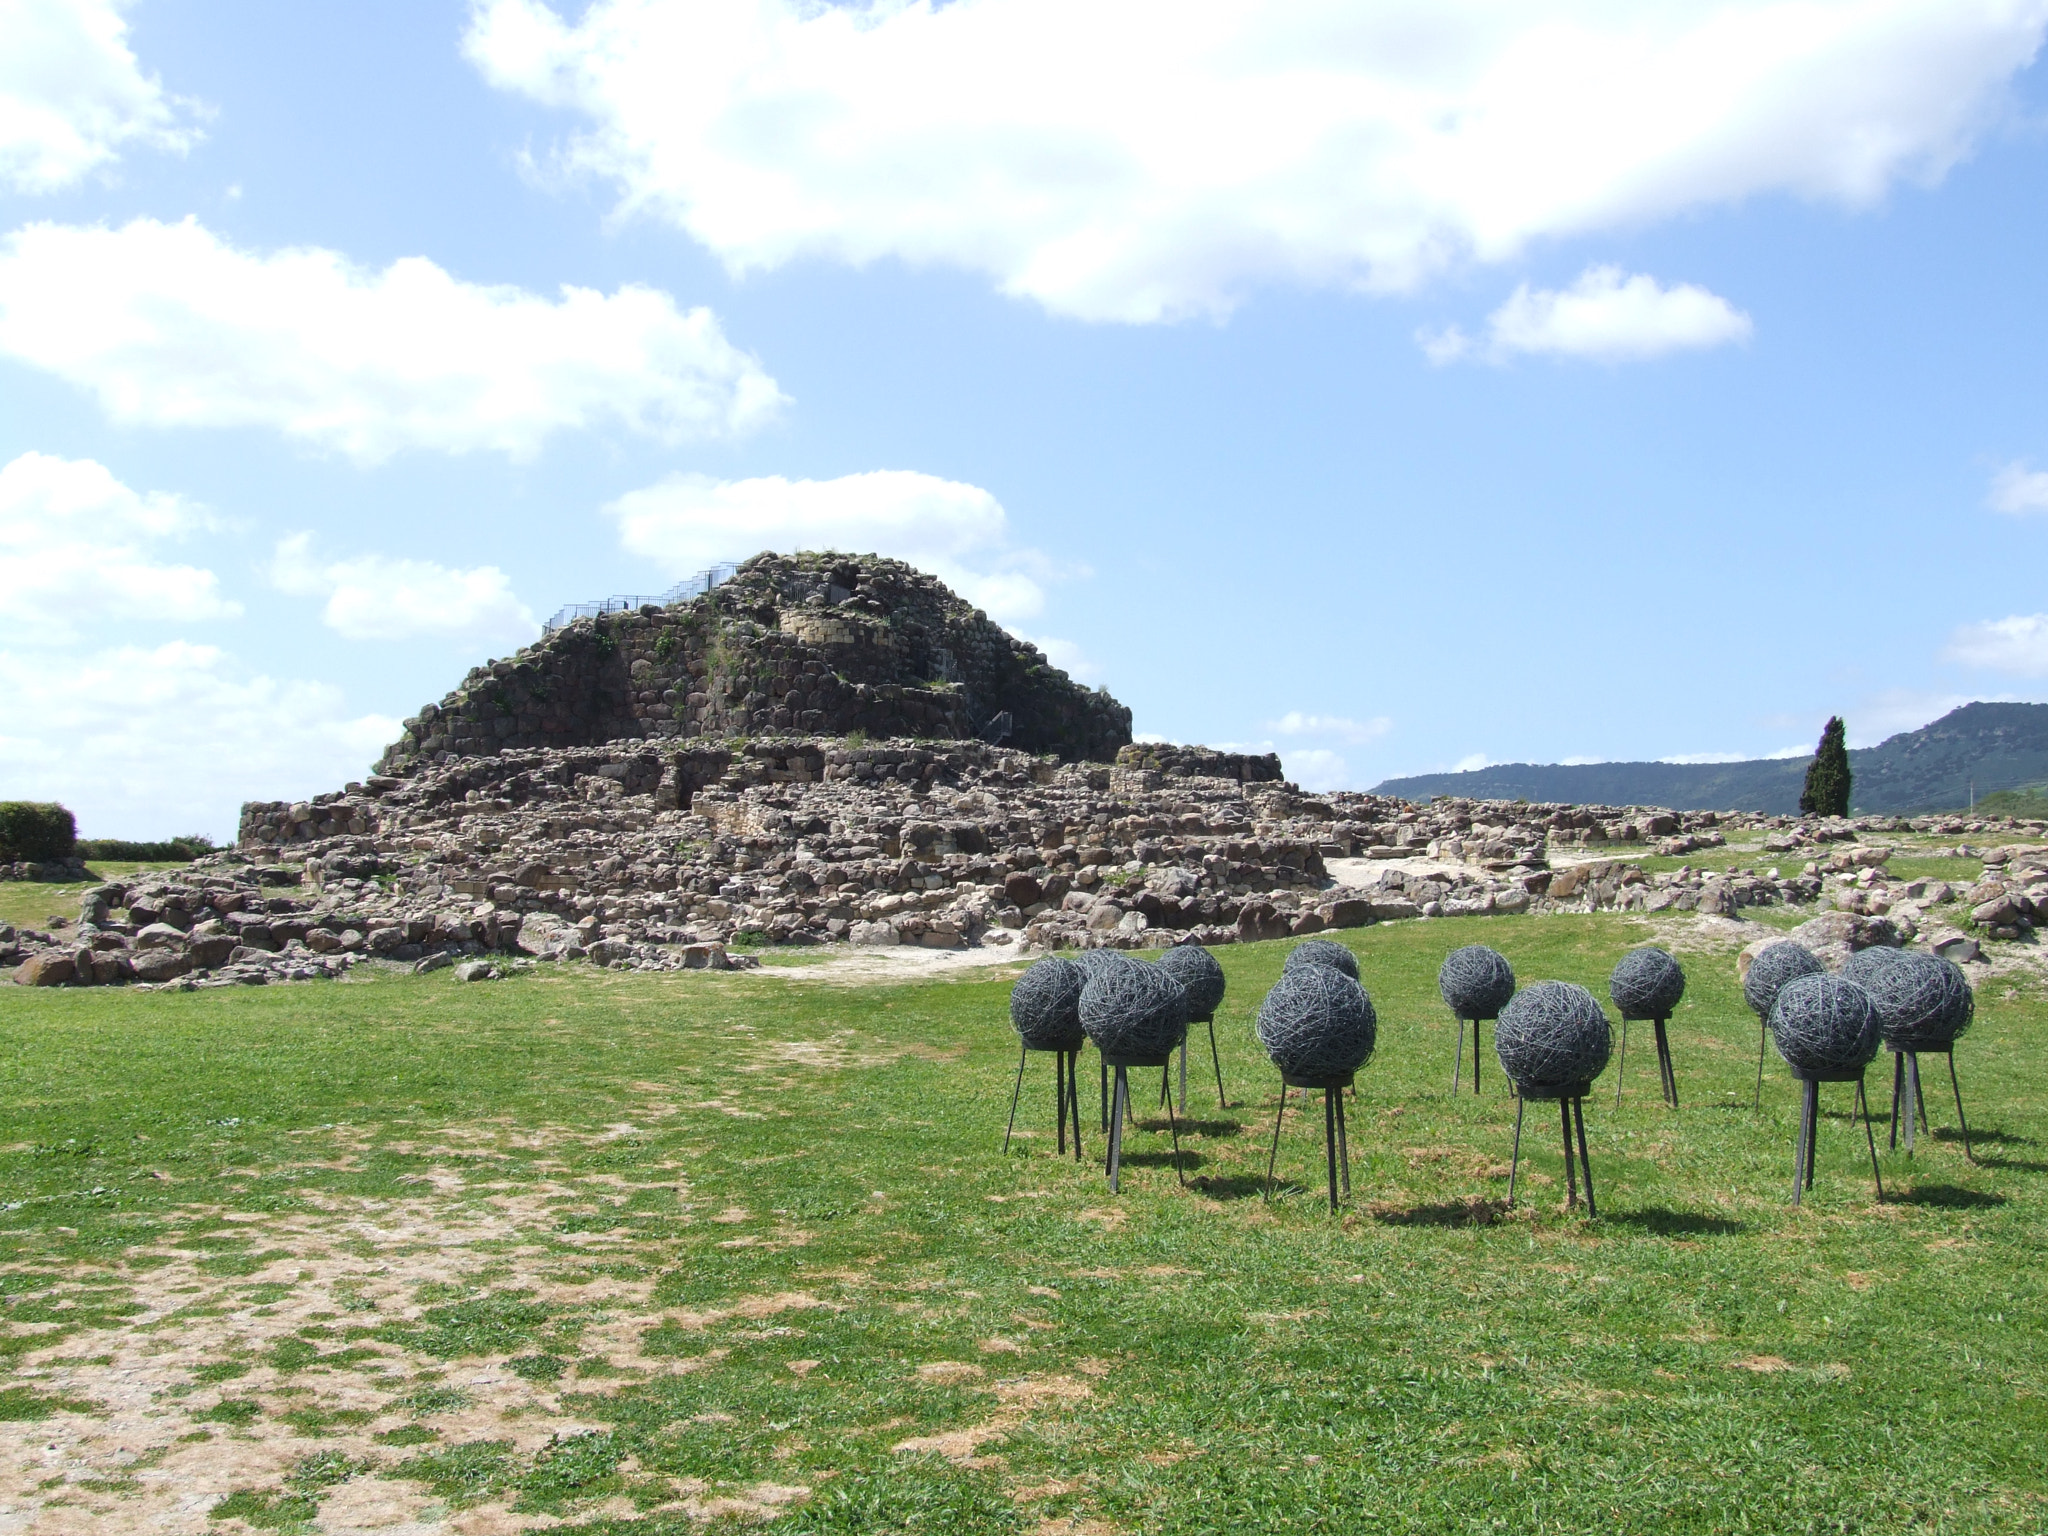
1172,761
823,644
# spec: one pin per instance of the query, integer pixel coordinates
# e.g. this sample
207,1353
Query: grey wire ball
1923,1002
1322,952
1552,1039
1646,984
1476,982
1134,1010
1045,1005
1317,1023
1824,1027
1199,975
1092,960
1866,963
1771,969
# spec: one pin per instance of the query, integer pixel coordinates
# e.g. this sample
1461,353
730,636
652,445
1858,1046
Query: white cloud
1068,657
74,544
1355,732
2017,490
149,742
1607,315
374,597
72,95
1141,160
1316,768
168,326
2018,644
1472,763
959,532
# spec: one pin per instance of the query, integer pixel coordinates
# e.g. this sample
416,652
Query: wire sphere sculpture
1322,952
1553,1039
1091,961
1864,965
1646,984
1923,1002
1476,982
1824,1027
1317,1024
1772,968
1045,1005
1199,975
1134,1011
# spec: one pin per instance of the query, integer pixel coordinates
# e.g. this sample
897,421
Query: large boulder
51,968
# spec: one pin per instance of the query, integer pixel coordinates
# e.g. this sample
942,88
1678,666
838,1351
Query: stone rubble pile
666,855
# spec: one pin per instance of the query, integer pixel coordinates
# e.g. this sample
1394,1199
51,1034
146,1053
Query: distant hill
2001,746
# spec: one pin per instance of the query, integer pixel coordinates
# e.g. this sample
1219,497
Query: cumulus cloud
1472,762
1338,727
376,597
959,532
76,545
1607,315
1143,160
2018,644
2019,491
166,325
152,741
72,95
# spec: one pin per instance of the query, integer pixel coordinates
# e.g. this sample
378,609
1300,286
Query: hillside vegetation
1996,746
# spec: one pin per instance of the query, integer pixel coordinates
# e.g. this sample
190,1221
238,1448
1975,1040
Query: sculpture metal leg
1074,1098
1621,1064
1217,1059
1910,1070
1458,1065
1920,1096
1898,1090
1105,1098
1183,1075
1116,1130
1475,1058
1813,1137
1664,1067
1022,1052
1173,1125
1515,1162
1330,1140
1960,1118
1571,1176
1273,1156
1059,1096
1870,1136
1806,1107
1585,1160
1343,1147
1762,1033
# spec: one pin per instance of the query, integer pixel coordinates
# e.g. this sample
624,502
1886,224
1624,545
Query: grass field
640,1253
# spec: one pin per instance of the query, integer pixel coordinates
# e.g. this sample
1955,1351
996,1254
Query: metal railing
682,591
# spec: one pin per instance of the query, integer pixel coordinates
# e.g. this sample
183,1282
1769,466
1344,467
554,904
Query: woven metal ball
1923,1002
1862,966
1476,982
1552,1038
1824,1027
1322,952
1771,969
1045,1005
1134,1010
1092,960
1646,984
1317,1023
1199,975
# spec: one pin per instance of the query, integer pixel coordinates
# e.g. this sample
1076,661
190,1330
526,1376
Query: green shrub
187,847
1827,777
35,832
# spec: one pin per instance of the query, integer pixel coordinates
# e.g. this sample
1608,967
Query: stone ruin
505,825
808,644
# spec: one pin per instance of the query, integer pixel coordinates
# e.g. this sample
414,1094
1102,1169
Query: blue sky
1400,386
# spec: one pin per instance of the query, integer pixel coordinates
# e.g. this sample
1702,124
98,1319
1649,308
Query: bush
1827,776
174,849
35,833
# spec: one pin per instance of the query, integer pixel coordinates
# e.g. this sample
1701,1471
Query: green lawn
32,903
645,1252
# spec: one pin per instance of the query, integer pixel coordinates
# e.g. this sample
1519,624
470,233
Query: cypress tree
1827,776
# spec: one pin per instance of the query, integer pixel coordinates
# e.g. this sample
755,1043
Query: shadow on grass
1189,1161
1473,1211
1946,1196
1664,1222
1235,1186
